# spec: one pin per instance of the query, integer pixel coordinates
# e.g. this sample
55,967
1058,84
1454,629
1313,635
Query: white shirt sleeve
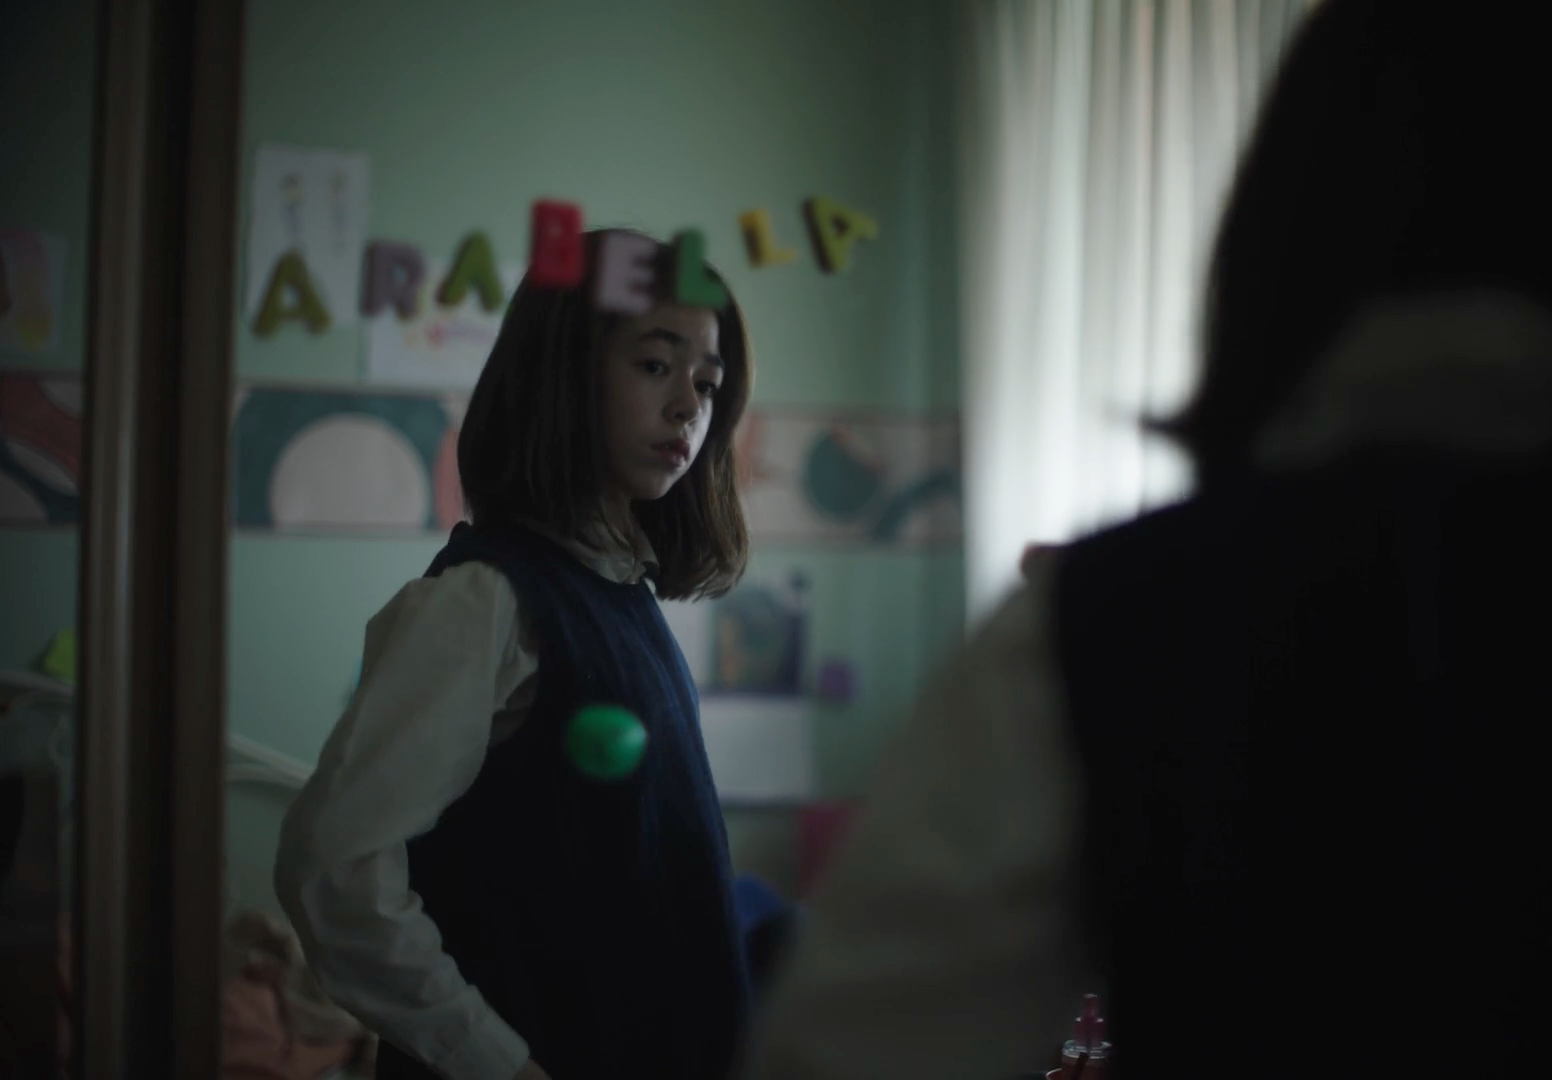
941,943
441,659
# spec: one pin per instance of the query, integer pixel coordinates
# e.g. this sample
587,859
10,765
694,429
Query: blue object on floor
755,902
768,925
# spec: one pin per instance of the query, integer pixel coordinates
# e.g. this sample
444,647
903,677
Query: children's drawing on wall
748,654
345,461
306,232
758,637
40,448
817,477
32,287
432,322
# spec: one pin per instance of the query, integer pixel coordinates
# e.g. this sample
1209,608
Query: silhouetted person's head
1401,151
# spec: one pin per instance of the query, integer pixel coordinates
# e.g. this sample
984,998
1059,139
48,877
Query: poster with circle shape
313,480
40,448
821,477
344,461
366,460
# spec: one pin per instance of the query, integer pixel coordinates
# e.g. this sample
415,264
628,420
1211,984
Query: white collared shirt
447,672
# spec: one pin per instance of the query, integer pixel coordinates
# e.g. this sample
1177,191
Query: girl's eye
654,367
707,389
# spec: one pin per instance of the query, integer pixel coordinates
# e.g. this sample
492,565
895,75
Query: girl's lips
676,451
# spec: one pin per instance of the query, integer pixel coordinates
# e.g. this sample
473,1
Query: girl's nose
685,406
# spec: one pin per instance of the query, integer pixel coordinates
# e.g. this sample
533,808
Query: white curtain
1098,140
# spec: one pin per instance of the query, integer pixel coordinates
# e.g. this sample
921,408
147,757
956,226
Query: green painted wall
657,115
47,71
651,113
654,113
47,79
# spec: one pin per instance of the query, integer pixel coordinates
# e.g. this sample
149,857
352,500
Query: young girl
458,885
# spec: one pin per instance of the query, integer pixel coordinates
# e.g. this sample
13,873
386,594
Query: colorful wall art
368,461
32,291
345,461
758,637
817,476
40,448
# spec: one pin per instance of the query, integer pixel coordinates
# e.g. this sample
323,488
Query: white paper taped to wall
314,202
761,749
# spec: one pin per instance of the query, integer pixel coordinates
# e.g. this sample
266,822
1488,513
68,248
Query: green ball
605,742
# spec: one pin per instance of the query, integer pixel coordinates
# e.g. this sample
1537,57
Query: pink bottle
1087,1054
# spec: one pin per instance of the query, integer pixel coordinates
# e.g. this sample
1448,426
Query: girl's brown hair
528,451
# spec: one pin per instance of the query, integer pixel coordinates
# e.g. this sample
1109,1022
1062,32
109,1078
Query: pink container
821,826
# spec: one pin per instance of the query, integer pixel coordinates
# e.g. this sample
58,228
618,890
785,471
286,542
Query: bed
276,1022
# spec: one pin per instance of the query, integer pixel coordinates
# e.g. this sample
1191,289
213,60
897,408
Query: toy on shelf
59,658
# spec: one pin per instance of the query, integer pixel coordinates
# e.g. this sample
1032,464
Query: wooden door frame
150,735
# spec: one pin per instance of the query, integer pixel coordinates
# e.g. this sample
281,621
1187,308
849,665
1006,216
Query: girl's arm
941,943
440,660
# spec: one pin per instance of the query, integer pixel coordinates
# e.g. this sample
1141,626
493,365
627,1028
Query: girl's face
659,377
